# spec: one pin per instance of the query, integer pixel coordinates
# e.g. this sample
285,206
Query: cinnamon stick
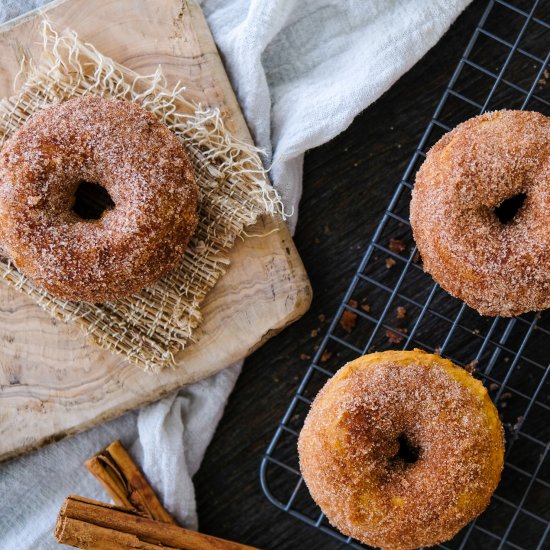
125,483
88,524
87,535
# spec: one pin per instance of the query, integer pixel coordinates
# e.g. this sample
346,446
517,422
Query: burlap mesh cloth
150,327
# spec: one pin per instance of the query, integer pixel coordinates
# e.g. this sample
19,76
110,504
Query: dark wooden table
347,185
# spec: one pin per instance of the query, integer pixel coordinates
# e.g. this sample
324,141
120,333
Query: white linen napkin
302,69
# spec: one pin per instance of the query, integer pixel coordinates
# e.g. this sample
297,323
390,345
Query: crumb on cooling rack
348,321
395,337
397,245
471,366
504,398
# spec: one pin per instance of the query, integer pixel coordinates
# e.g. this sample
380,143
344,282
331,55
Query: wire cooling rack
394,305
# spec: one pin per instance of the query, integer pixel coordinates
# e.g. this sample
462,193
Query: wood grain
52,382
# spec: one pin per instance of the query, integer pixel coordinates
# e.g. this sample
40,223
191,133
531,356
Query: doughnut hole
91,200
508,209
408,452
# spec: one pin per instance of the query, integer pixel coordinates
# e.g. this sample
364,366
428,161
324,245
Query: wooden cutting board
52,382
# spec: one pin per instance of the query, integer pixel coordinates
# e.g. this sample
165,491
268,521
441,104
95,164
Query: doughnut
128,154
401,449
480,209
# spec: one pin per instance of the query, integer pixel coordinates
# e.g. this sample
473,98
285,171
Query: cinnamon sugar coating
496,268
353,462
141,164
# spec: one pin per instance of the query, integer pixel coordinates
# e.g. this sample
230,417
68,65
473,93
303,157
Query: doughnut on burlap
149,327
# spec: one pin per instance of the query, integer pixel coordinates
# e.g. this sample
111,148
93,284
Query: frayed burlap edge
150,327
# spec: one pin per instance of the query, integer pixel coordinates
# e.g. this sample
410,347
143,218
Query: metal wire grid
510,356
